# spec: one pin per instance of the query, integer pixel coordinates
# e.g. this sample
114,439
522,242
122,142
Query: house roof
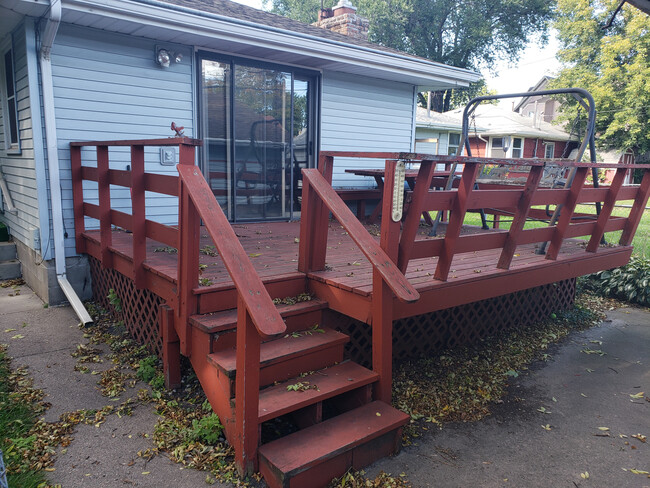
492,120
227,27
540,85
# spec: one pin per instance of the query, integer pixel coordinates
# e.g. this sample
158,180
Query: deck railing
319,199
518,201
257,316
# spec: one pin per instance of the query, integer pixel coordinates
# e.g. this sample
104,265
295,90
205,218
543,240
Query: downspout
53,161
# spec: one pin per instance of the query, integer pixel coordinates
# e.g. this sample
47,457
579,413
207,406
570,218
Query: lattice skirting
139,307
462,325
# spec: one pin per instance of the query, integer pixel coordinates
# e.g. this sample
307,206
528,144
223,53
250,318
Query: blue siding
18,169
364,114
106,87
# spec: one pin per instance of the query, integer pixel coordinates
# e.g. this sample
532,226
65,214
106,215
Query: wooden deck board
273,250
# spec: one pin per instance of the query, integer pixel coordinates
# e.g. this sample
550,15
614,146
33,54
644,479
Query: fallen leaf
638,395
583,395
639,471
640,437
378,414
9,330
590,370
546,427
585,475
18,336
255,254
146,472
603,428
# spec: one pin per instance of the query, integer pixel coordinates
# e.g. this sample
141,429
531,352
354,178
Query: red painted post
320,216
247,390
105,223
171,350
606,211
382,336
566,213
77,198
389,237
138,225
640,202
308,226
519,219
459,209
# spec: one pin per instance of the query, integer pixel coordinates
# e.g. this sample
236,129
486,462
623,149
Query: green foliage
207,429
471,35
612,64
147,369
114,300
630,282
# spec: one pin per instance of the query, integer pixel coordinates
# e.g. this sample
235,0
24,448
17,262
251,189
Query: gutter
45,63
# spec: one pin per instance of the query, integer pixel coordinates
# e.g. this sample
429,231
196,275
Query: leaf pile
353,479
461,384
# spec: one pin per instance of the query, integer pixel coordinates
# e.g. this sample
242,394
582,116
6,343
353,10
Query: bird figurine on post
178,130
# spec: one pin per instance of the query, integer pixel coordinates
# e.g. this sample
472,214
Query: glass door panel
217,151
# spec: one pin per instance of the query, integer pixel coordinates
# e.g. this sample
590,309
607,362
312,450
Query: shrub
629,282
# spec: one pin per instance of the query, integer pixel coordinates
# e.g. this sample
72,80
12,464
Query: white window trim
546,146
510,147
9,148
450,145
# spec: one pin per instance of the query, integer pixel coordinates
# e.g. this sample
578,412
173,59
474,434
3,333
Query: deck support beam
171,348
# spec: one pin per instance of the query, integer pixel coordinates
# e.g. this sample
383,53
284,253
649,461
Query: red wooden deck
372,274
347,281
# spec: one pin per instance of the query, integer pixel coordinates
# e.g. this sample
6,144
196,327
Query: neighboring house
494,132
539,107
264,93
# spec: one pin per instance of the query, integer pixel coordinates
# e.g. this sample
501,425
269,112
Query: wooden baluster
105,223
247,390
308,226
188,265
458,211
416,208
640,202
519,219
138,223
77,198
606,211
566,213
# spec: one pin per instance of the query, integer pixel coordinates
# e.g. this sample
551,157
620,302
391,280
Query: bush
629,282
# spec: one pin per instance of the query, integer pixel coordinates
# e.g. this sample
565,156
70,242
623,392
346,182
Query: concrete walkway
582,389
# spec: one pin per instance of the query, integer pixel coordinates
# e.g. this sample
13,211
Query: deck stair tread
283,349
309,447
326,383
216,322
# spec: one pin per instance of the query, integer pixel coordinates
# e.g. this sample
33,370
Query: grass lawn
17,417
641,240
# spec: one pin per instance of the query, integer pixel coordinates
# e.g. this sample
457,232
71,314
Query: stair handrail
252,291
377,257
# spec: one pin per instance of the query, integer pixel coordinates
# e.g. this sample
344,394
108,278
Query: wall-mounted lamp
164,57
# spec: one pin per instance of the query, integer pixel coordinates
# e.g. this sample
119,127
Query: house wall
364,114
108,87
430,147
19,168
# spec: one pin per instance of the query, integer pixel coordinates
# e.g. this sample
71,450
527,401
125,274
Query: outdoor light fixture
164,57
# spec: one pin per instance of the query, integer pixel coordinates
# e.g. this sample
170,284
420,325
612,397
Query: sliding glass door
258,129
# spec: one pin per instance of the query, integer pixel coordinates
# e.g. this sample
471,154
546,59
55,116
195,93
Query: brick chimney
343,18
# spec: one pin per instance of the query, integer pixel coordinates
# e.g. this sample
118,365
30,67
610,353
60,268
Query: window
549,152
426,146
517,147
454,143
10,107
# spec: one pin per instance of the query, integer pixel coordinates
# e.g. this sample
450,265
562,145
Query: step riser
10,270
228,339
321,474
294,366
218,301
7,251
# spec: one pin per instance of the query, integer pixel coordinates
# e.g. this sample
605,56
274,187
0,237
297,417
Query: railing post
138,223
188,256
77,197
640,202
308,226
105,223
247,389
319,215
606,211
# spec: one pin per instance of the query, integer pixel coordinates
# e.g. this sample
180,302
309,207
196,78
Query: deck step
326,383
217,322
288,356
313,456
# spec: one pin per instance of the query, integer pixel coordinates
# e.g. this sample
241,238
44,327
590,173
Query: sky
534,63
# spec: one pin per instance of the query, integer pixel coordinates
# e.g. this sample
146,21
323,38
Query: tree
612,64
471,34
